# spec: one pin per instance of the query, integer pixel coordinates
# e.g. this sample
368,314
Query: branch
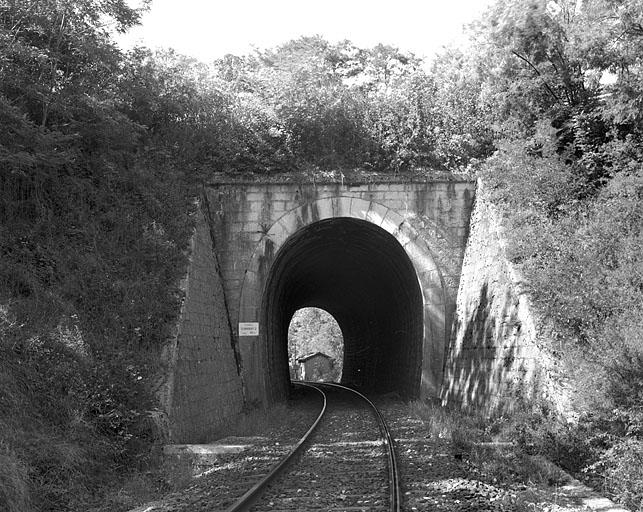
564,75
636,29
54,68
554,95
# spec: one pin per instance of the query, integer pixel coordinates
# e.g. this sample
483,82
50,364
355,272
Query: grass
489,444
448,423
58,450
257,420
47,457
530,448
14,484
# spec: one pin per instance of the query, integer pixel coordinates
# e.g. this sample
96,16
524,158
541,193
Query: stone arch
253,349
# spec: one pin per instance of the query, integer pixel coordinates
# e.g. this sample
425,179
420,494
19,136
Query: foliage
340,106
463,117
102,155
65,426
622,468
194,117
14,483
564,83
485,445
92,238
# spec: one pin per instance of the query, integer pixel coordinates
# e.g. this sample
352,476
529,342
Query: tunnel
362,276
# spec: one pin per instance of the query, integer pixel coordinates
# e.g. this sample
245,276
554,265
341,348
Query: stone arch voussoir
398,225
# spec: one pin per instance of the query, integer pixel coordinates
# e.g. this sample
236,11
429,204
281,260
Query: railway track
345,462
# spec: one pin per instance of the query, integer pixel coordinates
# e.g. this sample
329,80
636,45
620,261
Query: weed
448,423
503,449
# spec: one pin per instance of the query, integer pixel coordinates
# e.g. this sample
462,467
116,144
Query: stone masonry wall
205,387
243,213
496,353
431,222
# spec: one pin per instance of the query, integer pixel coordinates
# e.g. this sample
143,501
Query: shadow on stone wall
499,355
492,364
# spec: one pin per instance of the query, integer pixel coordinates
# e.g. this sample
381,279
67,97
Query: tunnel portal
386,257
361,275
383,256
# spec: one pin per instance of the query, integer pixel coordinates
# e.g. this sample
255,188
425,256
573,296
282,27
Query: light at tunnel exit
315,346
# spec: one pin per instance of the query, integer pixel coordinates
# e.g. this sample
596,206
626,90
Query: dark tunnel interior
362,276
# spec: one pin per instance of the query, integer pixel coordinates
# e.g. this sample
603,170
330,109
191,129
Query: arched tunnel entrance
362,276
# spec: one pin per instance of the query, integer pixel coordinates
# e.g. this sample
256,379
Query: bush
581,257
622,470
68,424
14,484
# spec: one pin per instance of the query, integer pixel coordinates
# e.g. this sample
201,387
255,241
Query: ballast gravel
435,477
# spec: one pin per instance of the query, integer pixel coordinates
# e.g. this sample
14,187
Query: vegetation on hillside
102,159
564,81
91,238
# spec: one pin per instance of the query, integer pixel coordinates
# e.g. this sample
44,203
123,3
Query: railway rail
345,461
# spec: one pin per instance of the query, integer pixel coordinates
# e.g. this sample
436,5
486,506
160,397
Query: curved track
343,462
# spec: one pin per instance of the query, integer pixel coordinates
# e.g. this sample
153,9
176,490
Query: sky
209,29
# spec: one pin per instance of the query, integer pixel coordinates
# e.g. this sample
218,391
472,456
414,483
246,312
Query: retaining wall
204,386
500,353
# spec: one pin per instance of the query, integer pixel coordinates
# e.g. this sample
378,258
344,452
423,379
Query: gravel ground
436,476
223,478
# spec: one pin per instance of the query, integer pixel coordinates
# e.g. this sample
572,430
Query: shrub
449,423
69,423
14,484
622,470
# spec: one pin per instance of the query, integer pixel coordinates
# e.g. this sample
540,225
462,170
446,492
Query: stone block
325,208
401,206
359,208
433,294
284,194
377,213
392,187
279,233
385,204
405,234
289,222
255,195
342,206
392,221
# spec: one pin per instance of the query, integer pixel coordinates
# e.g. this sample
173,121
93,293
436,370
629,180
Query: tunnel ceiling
361,275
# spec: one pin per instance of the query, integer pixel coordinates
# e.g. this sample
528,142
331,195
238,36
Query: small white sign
248,328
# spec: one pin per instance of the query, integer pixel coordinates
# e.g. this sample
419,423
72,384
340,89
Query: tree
56,50
464,117
339,106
